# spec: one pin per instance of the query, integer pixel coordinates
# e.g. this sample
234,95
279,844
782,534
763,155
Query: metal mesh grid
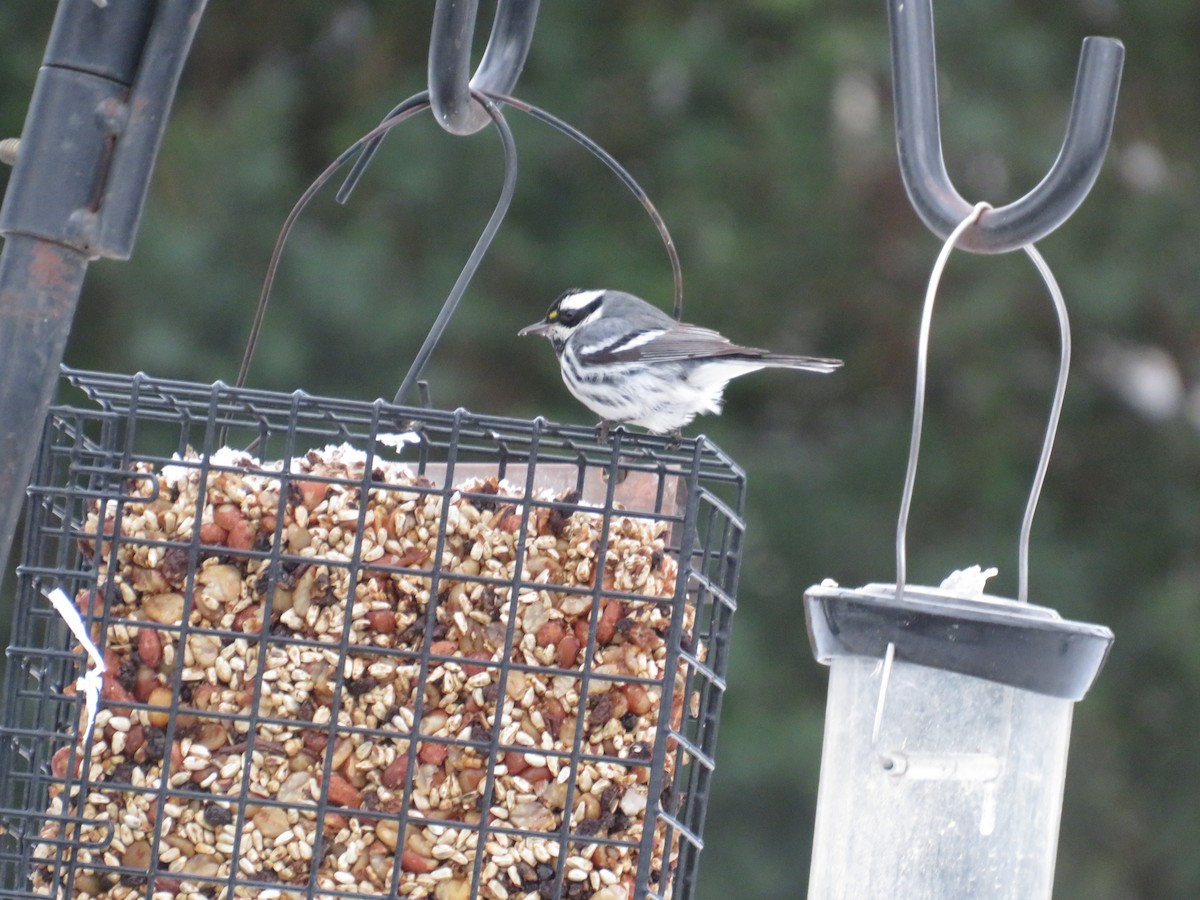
599,793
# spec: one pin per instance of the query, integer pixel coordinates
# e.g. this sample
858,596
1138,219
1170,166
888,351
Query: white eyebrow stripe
575,302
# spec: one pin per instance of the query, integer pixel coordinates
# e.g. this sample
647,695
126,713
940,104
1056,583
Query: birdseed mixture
252,742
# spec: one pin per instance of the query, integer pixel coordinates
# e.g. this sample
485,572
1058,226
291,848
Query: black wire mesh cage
380,651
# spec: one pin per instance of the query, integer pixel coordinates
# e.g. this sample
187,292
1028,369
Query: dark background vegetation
762,129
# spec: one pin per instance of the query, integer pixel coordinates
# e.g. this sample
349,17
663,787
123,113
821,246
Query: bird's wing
609,342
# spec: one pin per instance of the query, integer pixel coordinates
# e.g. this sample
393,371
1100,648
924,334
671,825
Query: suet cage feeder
485,661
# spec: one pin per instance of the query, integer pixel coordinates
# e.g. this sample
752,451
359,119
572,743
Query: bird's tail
809,363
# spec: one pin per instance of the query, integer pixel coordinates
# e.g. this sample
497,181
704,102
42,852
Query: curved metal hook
450,59
410,107
919,140
368,145
507,189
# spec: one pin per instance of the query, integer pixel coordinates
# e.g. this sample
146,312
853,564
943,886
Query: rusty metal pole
86,152
39,287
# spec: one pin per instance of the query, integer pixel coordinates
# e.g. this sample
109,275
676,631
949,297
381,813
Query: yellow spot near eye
553,314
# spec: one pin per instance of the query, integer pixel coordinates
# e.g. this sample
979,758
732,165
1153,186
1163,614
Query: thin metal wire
1056,405
370,146
405,110
1060,390
628,180
914,447
885,680
481,246
364,149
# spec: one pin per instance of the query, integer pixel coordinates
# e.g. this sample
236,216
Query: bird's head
570,311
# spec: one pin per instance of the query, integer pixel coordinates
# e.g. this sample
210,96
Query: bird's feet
603,427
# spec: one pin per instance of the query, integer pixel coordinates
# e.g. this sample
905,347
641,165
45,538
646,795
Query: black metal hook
508,188
450,59
919,141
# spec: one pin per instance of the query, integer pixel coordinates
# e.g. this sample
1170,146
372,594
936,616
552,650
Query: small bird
631,363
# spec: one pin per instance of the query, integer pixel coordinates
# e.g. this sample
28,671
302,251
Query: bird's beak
536,328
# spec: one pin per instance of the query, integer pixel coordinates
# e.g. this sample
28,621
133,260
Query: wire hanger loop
362,151
450,59
1060,388
919,141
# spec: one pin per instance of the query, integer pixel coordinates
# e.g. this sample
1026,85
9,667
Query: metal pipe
39,288
87,149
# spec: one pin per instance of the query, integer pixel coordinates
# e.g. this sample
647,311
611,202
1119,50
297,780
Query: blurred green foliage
762,130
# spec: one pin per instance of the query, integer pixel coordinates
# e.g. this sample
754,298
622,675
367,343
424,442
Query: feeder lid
1017,644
